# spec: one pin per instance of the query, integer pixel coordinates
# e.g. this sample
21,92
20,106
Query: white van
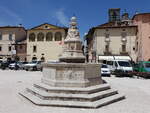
123,65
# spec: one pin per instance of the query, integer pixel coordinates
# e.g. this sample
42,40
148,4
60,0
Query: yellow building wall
50,49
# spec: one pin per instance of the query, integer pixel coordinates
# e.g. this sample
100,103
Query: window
137,44
123,29
46,27
9,48
42,59
124,36
123,48
20,46
124,63
10,37
109,62
116,65
58,36
107,35
40,37
0,36
49,36
34,49
106,48
104,66
0,48
147,65
107,38
107,30
34,59
31,37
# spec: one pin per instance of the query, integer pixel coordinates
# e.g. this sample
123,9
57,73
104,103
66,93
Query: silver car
33,66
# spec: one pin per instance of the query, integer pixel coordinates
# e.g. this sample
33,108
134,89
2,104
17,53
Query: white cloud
61,17
8,17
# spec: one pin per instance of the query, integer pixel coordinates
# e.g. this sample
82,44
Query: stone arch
43,59
49,36
40,36
58,36
17,58
31,37
34,58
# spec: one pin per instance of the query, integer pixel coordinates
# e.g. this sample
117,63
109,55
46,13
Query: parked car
120,68
142,69
143,66
5,64
123,65
34,66
16,65
23,64
105,71
1,62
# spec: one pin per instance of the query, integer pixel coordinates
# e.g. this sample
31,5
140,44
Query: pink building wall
143,36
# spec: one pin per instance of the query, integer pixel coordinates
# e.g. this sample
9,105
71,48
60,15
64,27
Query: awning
114,58
106,57
122,58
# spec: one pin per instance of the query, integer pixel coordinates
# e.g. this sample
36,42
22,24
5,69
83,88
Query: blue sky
90,13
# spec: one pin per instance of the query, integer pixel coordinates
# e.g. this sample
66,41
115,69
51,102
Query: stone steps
85,90
95,104
88,97
69,96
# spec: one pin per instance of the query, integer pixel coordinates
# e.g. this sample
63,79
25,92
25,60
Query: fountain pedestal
71,82
71,75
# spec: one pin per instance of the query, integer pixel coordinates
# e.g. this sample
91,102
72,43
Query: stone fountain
71,82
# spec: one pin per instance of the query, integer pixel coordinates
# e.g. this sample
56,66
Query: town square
62,64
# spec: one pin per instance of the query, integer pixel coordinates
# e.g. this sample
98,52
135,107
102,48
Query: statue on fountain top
73,31
72,52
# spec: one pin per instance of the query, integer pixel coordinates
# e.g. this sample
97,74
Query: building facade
114,38
113,41
143,36
9,35
21,50
45,42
